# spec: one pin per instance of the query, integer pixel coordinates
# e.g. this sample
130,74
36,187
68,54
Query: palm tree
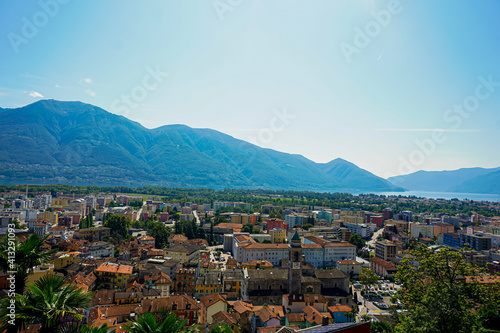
82,328
221,328
146,323
28,254
47,301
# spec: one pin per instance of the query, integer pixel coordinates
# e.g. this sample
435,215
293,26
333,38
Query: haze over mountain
466,180
71,142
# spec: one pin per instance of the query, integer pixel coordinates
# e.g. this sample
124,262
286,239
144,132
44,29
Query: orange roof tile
114,268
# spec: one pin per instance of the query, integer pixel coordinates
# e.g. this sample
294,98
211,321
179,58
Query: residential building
183,252
210,305
93,234
41,229
209,283
442,228
184,306
231,283
185,280
113,275
98,250
418,230
382,267
385,249
359,229
278,235
451,239
476,242
351,267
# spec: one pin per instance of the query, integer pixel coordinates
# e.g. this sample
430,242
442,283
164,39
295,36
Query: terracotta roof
242,307
58,228
296,317
339,244
114,268
274,329
84,282
198,241
265,313
146,238
311,246
314,316
261,263
181,301
383,263
308,298
264,246
103,297
226,318
348,262
231,262
210,300
339,308
244,238
161,278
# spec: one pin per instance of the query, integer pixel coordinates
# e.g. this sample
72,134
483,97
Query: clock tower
295,266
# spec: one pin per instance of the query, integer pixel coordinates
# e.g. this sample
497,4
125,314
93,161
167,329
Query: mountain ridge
75,142
465,180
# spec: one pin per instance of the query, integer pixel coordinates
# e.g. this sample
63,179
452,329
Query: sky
391,86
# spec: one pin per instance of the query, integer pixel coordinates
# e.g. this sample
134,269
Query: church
295,277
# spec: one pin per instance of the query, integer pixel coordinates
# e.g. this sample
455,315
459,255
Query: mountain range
76,143
466,180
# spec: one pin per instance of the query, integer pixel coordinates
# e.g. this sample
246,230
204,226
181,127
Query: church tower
295,266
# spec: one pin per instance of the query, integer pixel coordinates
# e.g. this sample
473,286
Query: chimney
324,322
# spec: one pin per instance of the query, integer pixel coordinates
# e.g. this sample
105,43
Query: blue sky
379,93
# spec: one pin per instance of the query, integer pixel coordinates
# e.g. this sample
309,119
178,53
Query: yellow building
93,234
182,252
113,275
65,260
278,236
52,217
257,264
210,305
209,284
39,272
59,202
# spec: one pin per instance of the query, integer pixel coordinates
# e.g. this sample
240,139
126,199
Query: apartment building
385,250
113,275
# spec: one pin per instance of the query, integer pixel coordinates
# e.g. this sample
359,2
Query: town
269,262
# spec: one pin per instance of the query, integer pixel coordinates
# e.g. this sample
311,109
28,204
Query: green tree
161,234
28,254
200,233
357,240
248,227
80,327
368,277
221,328
380,327
118,224
307,226
147,323
47,301
444,294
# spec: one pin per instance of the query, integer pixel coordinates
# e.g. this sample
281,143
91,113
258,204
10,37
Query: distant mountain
71,142
488,183
467,180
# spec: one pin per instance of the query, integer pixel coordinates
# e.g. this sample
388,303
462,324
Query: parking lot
377,298
219,260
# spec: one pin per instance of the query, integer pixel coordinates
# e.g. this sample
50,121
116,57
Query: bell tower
295,266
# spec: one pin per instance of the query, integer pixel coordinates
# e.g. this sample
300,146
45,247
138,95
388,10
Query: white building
359,229
417,228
